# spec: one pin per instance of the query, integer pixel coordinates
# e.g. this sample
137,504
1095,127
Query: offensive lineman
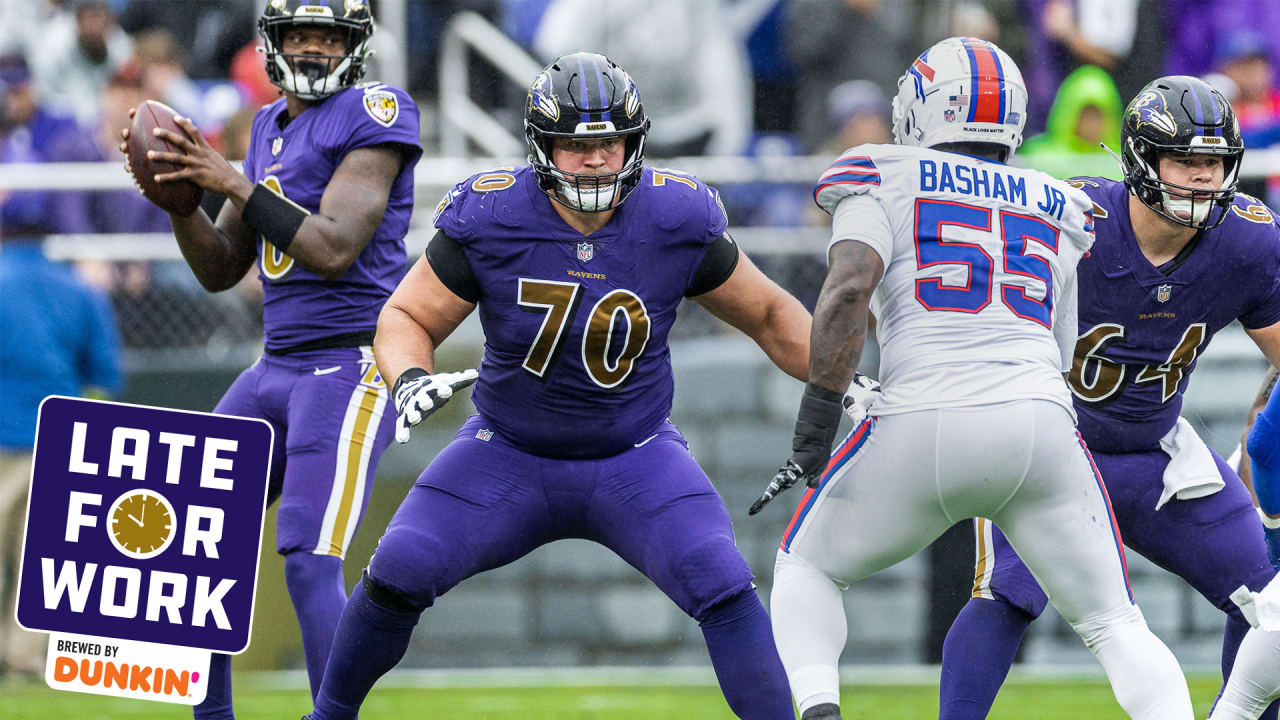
322,206
576,291
1179,255
972,266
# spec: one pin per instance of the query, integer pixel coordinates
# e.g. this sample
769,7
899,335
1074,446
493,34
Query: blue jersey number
1017,232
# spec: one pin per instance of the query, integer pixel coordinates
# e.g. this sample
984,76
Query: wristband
818,419
407,376
274,216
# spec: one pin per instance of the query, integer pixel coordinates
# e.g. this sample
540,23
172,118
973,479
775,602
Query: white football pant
916,474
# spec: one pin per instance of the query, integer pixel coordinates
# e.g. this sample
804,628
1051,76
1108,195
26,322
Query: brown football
180,197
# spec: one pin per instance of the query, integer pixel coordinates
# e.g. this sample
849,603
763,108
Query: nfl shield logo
485,435
585,251
277,145
1162,292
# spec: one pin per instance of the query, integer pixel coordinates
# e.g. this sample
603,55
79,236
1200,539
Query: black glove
816,427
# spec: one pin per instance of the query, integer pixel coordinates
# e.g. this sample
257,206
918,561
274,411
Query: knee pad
1096,630
388,597
732,609
417,566
708,574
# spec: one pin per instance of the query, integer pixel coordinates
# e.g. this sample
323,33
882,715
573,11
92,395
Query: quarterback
322,208
969,266
577,264
1179,255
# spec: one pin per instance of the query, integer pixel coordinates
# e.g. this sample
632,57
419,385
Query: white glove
861,396
418,393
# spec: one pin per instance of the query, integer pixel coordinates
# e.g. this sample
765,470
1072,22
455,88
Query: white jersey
978,300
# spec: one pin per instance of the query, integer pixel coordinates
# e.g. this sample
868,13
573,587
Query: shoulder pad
1250,208
470,201
1098,189
853,173
684,199
382,103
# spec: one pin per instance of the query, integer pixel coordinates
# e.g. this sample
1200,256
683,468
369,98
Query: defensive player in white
969,268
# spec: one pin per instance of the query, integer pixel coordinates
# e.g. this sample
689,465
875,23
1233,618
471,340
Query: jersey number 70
1015,230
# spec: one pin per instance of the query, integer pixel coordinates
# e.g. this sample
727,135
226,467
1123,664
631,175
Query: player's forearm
785,337
841,317
401,343
327,247
216,258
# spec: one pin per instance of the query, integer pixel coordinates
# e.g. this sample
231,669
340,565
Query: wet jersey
576,361
1141,330
298,161
977,301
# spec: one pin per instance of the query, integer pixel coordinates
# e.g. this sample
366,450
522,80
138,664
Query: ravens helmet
585,96
1185,115
308,76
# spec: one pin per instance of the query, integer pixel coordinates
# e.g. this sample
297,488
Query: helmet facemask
311,76
1192,207
587,192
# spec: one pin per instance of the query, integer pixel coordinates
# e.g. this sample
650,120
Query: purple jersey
1141,331
576,361
298,161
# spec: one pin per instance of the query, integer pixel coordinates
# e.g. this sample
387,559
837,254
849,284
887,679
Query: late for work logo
142,544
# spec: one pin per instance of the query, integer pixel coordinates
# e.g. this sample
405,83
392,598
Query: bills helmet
310,76
961,90
585,96
1185,115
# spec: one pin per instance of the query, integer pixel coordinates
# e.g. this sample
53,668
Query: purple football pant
1215,543
332,419
483,503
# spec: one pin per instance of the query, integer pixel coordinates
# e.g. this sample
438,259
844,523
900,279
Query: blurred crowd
719,77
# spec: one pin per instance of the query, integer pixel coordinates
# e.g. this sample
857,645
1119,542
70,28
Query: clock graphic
142,524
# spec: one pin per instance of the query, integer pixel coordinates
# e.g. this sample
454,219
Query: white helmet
961,90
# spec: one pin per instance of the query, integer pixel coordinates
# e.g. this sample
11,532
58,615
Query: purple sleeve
378,115
1267,311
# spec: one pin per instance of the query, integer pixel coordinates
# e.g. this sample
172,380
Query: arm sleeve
449,262
1264,452
716,267
862,218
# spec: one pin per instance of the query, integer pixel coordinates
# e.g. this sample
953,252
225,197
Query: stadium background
755,97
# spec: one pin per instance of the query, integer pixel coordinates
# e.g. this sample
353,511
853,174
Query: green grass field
1040,699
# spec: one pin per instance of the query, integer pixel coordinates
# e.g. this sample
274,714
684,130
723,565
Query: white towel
1192,472
1261,609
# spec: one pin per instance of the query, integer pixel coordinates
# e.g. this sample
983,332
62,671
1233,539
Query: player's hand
787,476
201,164
418,393
861,396
816,426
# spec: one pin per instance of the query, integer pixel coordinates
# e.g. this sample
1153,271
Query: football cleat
825,711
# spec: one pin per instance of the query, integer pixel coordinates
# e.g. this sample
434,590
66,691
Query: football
181,197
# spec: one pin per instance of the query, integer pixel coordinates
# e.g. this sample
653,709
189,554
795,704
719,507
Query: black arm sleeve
449,261
717,265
